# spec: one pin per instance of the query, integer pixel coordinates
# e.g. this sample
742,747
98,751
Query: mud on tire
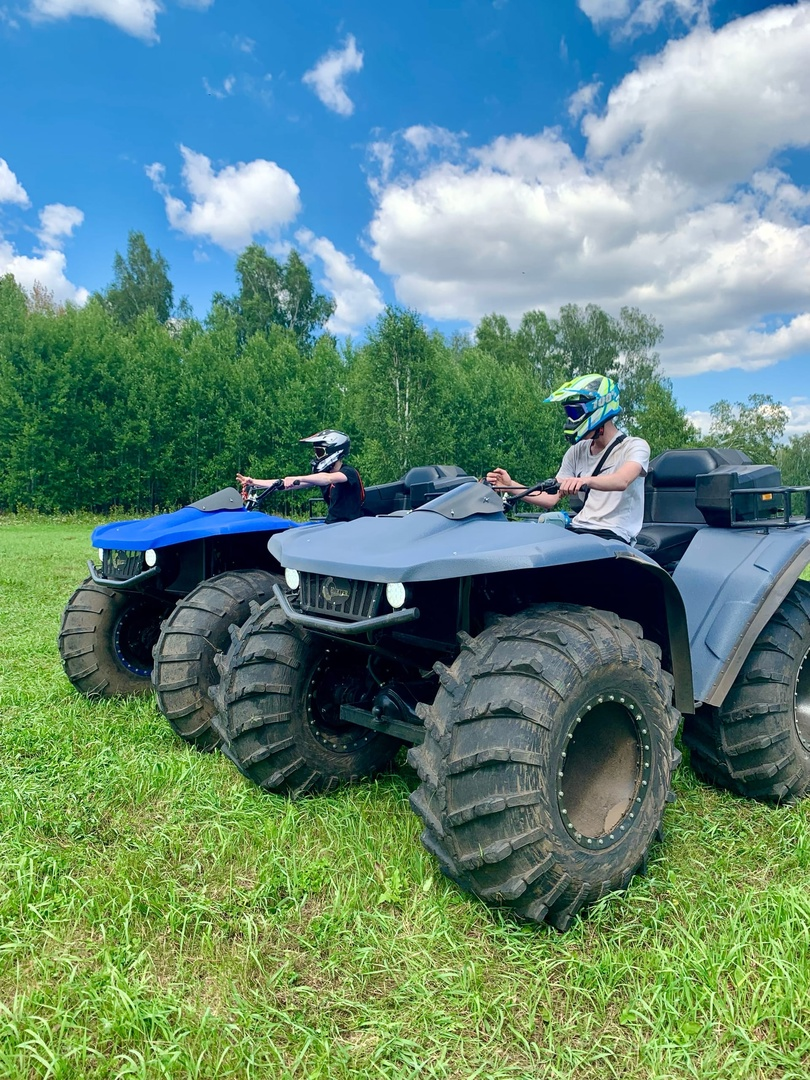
106,639
278,703
757,743
190,639
547,760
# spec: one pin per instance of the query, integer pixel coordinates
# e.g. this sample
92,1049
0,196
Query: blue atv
539,676
158,609
193,573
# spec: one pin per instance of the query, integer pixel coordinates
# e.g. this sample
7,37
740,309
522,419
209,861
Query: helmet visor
576,410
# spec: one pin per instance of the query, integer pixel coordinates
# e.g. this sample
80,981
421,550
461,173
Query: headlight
293,578
150,557
395,594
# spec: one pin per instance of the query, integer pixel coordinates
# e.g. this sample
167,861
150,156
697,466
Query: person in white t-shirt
613,506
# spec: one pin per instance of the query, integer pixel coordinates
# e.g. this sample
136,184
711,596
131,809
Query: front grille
327,595
121,565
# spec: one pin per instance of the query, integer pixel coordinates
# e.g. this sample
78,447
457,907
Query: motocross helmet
589,401
329,447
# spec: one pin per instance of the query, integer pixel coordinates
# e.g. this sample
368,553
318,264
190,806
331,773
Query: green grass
160,917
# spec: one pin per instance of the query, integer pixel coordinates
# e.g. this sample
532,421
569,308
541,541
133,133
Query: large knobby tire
278,708
106,639
190,639
757,743
547,760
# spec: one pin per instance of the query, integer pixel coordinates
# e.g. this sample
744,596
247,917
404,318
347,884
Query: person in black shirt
341,483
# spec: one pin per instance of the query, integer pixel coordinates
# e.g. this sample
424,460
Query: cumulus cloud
230,207
714,106
136,17
328,75
11,190
56,224
422,138
626,18
676,207
48,267
357,298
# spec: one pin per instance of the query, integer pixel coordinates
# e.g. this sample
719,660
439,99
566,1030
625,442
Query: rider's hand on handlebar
571,484
499,478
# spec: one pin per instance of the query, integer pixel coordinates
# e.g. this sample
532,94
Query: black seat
671,517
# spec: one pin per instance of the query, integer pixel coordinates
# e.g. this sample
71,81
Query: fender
732,582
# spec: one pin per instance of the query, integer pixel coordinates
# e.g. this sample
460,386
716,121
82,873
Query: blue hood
190,523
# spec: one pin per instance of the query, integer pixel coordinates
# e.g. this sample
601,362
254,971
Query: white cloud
327,77
676,208
225,91
48,266
357,298
56,224
11,190
799,417
583,99
47,269
626,18
136,17
423,138
230,207
713,107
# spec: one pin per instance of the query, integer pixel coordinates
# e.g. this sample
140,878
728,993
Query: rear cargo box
722,510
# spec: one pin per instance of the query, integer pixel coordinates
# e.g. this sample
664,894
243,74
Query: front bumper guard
127,583
344,629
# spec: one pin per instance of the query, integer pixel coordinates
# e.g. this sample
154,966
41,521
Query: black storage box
714,499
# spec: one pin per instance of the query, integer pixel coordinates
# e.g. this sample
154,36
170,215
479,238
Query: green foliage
756,428
117,405
141,283
273,294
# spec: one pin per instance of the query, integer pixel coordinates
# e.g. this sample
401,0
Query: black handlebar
253,495
545,487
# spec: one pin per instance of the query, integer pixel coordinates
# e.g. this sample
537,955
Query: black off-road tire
192,636
277,708
757,743
106,640
547,760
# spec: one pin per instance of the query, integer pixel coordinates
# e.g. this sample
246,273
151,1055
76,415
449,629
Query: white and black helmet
329,447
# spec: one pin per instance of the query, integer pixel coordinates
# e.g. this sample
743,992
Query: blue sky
459,158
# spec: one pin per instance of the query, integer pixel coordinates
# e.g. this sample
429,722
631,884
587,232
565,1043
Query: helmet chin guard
329,446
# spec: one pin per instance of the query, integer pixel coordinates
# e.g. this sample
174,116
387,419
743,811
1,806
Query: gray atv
538,676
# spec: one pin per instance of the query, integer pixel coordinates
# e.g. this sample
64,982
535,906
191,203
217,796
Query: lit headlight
150,557
293,578
395,594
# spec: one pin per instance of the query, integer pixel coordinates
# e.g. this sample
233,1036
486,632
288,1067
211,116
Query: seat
671,517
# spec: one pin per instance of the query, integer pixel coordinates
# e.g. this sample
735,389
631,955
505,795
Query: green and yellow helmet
589,402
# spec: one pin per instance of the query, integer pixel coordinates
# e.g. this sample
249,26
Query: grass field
160,917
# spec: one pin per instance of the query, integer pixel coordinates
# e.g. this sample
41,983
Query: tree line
131,402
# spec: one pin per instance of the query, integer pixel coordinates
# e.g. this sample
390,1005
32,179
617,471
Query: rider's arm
620,480
324,479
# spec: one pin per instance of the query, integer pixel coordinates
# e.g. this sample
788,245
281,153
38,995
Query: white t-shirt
620,511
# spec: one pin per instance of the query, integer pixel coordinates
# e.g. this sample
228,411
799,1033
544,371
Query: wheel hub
134,636
604,770
335,681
